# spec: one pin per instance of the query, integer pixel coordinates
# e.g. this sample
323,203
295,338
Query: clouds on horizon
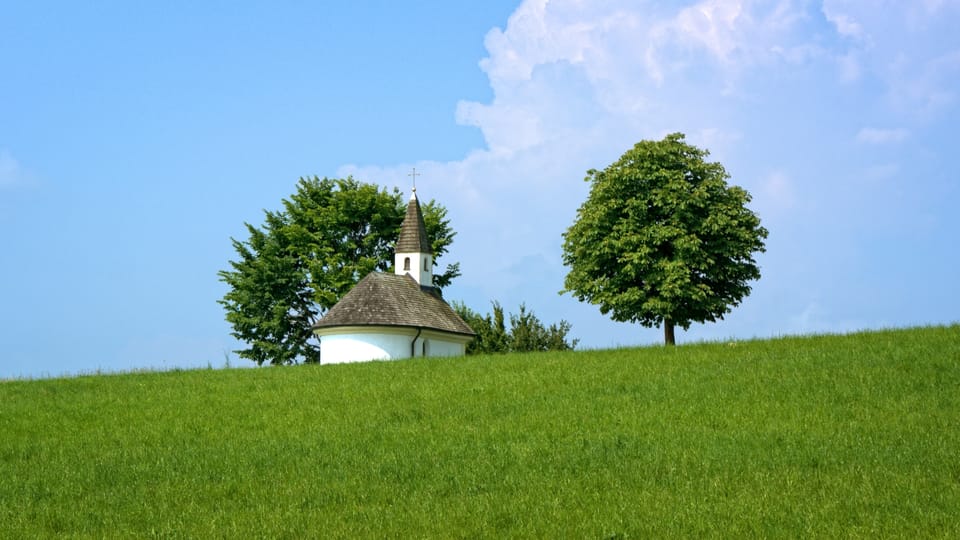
762,85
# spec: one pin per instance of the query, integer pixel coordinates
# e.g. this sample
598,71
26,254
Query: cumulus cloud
882,136
849,67
562,70
910,46
575,84
777,192
845,24
11,174
738,31
923,86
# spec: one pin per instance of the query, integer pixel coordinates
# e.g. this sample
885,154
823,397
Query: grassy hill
828,436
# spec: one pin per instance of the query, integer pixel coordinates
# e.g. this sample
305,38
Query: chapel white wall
360,347
387,344
443,345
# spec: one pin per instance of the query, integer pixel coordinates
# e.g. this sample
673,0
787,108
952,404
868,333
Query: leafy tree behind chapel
327,236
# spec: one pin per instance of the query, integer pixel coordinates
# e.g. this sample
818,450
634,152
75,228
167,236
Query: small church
395,316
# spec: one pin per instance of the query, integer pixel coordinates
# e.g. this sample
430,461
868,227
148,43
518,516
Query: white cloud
810,320
777,192
713,24
577,83
741,34
882,136
844,23
719,141
881,172
561,69
849,67
909,46
537,35
10,172
923,86
815,319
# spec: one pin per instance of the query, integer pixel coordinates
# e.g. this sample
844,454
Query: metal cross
414,174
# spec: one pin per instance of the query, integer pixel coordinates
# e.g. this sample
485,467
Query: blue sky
136,139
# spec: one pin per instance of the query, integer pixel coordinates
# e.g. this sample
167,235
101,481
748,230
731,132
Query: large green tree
662,239
306,256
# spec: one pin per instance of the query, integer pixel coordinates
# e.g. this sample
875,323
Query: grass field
853,435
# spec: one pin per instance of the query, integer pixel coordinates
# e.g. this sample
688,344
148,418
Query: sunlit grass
827,436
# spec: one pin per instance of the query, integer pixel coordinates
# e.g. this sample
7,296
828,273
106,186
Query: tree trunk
668,337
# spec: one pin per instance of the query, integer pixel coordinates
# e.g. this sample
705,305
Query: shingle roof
390,300
413,233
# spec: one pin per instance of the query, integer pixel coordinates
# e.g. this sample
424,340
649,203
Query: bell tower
413,254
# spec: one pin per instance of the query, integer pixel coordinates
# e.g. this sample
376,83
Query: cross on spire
414,174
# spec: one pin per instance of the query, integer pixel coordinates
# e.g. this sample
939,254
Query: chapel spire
413,232
414,257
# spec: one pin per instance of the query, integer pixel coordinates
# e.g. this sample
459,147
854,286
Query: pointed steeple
413,232
413,255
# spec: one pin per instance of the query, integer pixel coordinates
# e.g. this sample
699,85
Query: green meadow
825,436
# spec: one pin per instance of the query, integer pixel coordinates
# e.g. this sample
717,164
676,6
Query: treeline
526,332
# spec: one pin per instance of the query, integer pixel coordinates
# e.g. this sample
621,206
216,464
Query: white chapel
395,316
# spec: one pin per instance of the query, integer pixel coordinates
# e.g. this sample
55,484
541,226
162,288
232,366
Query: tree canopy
526,333
327,236
662,239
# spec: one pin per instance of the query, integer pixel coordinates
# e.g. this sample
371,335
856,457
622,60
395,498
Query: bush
526,334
